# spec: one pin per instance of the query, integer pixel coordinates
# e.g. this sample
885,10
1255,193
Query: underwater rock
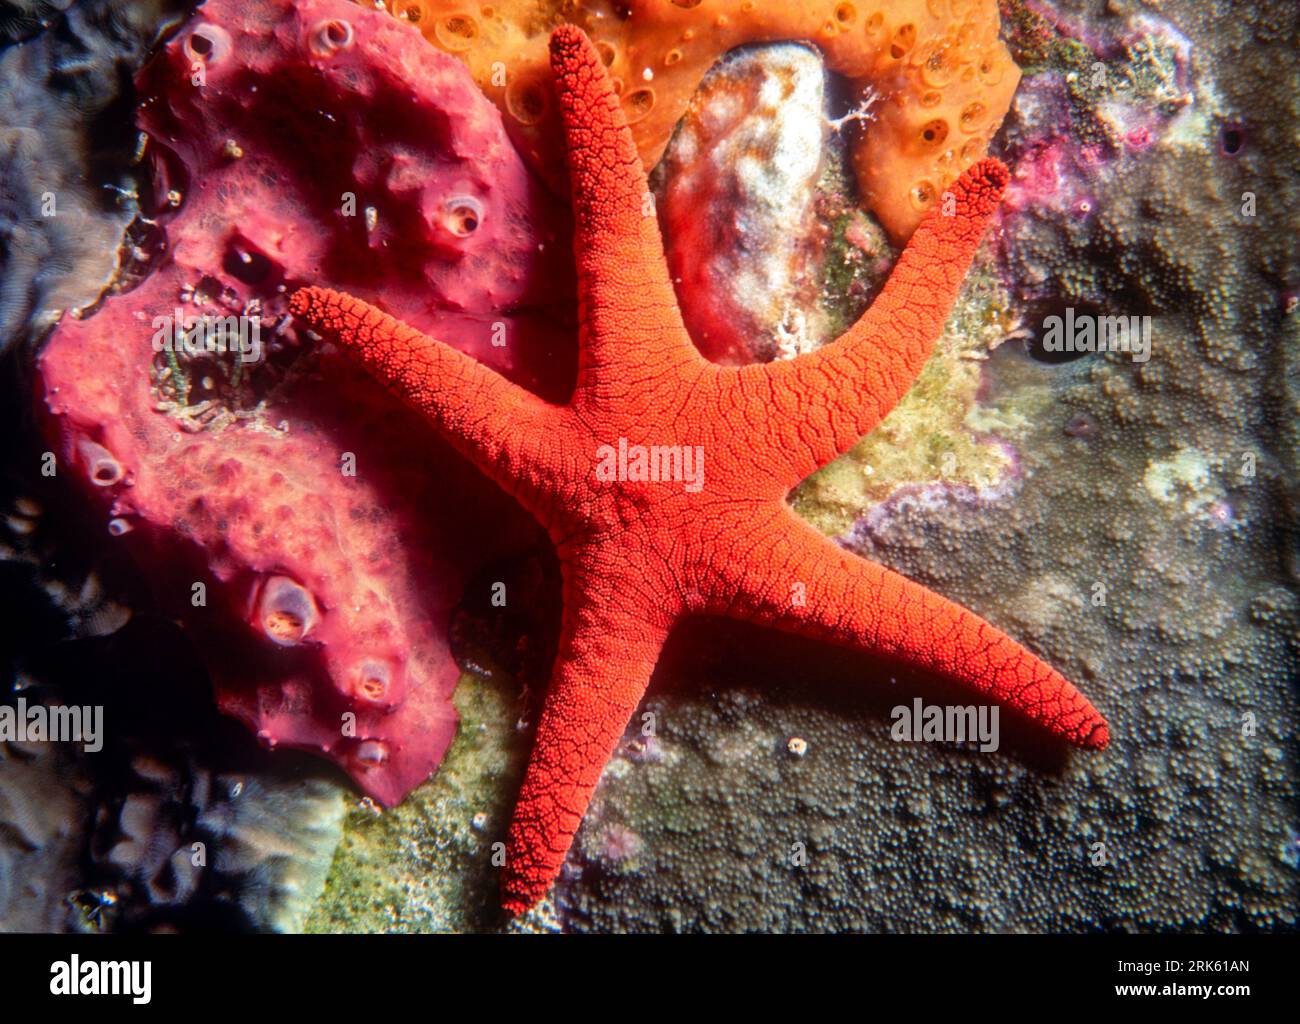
22,19
44,802
738,206
178,820
270,492
172,845
77,602
274,844
935,71
177,840
1101,101
64,130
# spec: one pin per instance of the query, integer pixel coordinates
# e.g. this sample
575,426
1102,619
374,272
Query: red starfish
693,519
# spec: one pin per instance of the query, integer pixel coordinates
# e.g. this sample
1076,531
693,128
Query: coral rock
59,221
42,810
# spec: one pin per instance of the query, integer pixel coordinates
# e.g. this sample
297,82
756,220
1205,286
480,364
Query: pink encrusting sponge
308,532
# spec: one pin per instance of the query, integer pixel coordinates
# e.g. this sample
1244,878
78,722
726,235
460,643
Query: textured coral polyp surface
942,78
302,142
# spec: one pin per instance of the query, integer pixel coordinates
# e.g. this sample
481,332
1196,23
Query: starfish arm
501,427
605,660
817,406
796,580
627,304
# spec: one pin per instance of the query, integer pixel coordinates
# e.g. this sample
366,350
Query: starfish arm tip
1098,737
305,302
566,39
327,310
982,186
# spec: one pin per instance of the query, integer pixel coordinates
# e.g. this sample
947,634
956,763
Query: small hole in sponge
922,195
990,69
846,14
639,104
246,264
283,626
338,33
373,679
328,37
287,612
462,215
106,470
933,133
208,44
904,40
971,116
457,32
1231,139
940,65
372,753
526,101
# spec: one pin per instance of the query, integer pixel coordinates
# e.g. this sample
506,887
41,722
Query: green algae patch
935,433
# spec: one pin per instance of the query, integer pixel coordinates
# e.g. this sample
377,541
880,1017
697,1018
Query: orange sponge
941,77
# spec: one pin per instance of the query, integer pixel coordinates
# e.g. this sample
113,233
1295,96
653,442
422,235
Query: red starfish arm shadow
794,579
860,377
502,428
632,330
607,653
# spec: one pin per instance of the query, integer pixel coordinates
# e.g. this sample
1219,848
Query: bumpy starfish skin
637,555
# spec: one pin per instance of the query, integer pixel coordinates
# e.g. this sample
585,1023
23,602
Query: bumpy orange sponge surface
942,78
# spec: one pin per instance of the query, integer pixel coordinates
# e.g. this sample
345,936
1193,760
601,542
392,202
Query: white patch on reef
1186,477
792,334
